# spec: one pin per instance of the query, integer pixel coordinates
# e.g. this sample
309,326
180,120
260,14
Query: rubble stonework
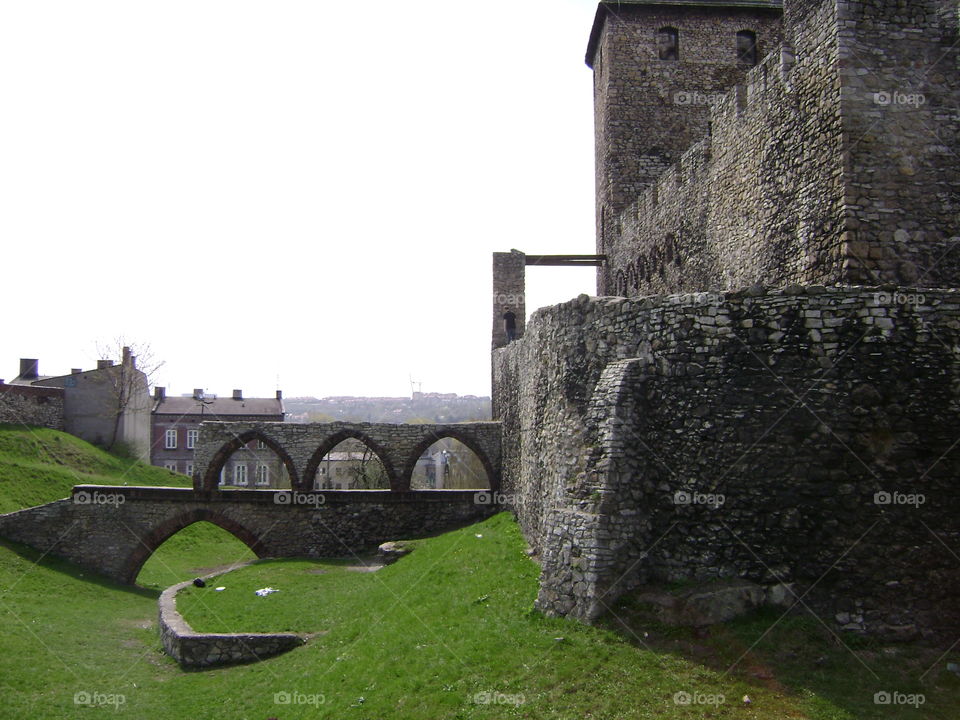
831,162
27,405
802,435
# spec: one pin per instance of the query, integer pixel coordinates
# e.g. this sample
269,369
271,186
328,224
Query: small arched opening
349,461
747,47
191,561
668,43
450,461
251,461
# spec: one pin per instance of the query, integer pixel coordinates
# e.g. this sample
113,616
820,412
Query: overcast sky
289,194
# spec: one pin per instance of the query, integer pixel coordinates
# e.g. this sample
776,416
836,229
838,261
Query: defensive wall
29,405
831,162
803,435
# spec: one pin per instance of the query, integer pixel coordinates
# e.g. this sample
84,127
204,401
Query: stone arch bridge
301,447
113,530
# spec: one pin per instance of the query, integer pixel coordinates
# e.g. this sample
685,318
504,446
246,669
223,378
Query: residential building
175,430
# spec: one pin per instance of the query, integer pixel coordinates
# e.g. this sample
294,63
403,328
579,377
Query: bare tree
129,382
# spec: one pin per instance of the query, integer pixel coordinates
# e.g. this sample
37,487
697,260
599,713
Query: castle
766,386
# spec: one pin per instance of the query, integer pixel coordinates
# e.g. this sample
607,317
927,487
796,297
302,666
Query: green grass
427,637
418,639
38,465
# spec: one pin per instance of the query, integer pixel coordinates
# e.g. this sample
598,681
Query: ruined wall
832,162
803,435
28,405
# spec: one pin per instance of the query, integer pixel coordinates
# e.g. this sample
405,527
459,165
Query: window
171,439
223,476
263,474
170,465
240,474
747,47
192,436
668,43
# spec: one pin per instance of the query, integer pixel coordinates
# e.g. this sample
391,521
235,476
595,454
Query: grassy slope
38,466
418,639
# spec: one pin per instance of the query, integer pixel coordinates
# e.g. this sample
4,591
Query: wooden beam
566,260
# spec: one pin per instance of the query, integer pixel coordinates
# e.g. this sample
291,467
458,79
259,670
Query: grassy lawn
447,632
38,466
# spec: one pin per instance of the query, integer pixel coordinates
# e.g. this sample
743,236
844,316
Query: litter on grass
265,591
219,589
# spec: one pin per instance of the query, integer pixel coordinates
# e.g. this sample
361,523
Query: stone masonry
831,162
114,530
301,446
804,435
28,405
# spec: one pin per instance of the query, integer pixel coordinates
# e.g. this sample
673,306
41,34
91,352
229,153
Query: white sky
307,192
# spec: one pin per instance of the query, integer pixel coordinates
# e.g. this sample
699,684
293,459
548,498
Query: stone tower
658,65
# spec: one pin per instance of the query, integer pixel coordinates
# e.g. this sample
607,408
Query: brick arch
305,484
170,527
493,478
219,459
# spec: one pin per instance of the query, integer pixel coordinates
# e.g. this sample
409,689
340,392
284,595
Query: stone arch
493,477
632,281
642,272
305,484
146,546
621,289
219,459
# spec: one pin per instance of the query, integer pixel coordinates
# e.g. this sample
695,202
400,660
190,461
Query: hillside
38,466
447,632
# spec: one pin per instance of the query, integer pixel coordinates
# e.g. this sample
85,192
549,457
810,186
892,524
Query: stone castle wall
822,166
820,416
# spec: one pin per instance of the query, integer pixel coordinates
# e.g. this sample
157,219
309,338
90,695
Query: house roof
608,7
218,407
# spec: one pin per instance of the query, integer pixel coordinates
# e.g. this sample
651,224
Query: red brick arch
146,546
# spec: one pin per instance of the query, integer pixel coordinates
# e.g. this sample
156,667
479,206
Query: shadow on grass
65,567
839,675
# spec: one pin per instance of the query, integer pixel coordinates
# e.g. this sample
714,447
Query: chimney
279,394
76,371
126,355
29,368
198,393
159,393
238,394
104,364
